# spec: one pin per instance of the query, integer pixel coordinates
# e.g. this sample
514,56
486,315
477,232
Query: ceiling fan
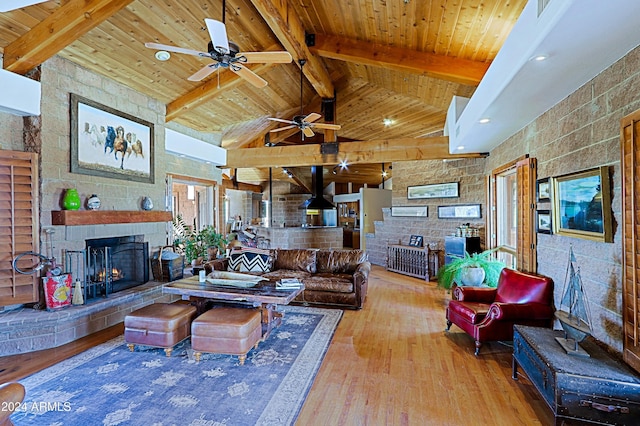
226,54
302,122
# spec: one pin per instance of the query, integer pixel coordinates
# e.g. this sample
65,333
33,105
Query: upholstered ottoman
161,325
226,330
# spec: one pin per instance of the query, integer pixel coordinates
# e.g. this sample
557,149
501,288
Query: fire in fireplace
115,264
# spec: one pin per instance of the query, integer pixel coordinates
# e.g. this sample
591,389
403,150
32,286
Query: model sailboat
575,320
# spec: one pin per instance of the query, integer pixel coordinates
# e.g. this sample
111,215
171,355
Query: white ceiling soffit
7,5
19,95
186,146
580,38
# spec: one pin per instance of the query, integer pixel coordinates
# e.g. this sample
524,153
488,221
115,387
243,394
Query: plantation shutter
526,248
19,224
630,154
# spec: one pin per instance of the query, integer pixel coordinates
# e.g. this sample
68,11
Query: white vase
472,276
147,204
93,203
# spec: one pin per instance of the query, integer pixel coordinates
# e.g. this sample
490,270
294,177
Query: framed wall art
543,190
436,190
409,211
110,143
460,211
582,205
543,221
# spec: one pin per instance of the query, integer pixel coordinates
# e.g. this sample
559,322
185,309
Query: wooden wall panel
630,165
19,224
526,250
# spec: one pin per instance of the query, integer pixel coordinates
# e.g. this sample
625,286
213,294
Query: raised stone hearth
26,329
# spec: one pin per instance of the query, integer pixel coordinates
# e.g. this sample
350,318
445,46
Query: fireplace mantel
103,217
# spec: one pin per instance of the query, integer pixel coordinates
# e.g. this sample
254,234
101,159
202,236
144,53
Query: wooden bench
161,325
226,330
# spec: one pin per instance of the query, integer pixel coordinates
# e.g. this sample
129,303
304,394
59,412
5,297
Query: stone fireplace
114,264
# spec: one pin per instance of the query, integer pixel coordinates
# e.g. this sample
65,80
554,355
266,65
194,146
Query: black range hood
317,201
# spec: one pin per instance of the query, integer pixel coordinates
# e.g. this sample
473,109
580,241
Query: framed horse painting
110,143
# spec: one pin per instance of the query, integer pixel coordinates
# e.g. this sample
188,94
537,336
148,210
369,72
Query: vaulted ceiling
401,60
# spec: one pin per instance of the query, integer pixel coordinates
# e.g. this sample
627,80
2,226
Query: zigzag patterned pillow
250,260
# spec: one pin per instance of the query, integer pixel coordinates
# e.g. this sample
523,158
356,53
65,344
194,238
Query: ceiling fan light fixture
163,55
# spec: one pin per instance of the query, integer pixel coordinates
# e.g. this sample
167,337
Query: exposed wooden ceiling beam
377,151
211,89
457,70
288,28
299,179
228,184
64,26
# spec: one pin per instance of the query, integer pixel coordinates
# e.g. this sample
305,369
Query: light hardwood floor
389,364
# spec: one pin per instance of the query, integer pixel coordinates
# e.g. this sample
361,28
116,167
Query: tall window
511,201
507,216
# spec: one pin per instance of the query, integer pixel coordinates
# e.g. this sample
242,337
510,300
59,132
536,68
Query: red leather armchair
488,314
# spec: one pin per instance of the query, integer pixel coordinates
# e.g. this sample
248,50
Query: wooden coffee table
264,295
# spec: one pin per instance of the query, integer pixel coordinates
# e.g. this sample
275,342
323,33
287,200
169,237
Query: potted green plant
484,267
213,241
196,245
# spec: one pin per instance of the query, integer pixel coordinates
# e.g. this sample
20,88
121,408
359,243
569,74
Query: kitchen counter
321,237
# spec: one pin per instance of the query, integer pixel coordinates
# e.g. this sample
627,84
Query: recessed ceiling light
387,121
540,57
162,55
460,147
484,120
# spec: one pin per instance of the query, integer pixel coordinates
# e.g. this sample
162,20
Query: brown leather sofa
332,278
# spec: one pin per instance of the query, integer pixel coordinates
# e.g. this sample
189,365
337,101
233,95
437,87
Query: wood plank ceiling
401,60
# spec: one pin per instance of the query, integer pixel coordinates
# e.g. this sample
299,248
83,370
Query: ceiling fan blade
312,117
218,34
326,126
175,49
281,120
267,57
248,75
308,132
203,72
279,129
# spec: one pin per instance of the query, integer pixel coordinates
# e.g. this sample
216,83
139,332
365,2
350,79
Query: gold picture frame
582,205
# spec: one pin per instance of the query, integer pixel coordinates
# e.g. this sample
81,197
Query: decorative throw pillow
250,260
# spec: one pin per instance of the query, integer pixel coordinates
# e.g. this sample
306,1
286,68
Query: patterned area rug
108,385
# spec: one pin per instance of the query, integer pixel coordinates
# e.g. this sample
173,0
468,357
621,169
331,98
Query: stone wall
60,78
398,230
579,133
